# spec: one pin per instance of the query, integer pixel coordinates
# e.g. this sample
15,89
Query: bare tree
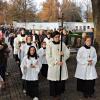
49,11
96,17
3,11
71,11
22,10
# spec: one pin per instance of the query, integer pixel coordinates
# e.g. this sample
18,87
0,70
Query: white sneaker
35,98
24,91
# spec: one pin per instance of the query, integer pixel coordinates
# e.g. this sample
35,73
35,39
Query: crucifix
61,19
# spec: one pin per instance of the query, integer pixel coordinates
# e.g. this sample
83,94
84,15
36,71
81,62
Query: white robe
23,50
20,38
33,39
16,45
52,56
17,40
42,55
29,73
83,70
47,40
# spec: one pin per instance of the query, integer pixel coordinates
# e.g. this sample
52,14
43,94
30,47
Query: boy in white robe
42,55
86,72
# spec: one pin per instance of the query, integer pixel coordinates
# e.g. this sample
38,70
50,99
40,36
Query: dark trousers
24,84
2,71
86,86
32,88
16,57
56,88
44,70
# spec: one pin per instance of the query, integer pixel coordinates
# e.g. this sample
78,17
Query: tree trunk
96,17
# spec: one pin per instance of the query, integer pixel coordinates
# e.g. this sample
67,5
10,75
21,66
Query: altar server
86,71
53,53
42,55
24,48
30,68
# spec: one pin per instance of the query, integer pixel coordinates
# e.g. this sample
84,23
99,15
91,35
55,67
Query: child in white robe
30,68
42,55
86,72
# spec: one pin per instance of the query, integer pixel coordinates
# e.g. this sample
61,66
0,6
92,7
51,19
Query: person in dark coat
4,51
65,37
41,37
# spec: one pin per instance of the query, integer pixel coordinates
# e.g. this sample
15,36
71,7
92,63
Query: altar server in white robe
86,71
18,43
22,53
42,55
24,48
16,48
22,36
30,68
53,53
48,38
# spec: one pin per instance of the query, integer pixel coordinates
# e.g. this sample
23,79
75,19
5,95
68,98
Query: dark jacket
3,53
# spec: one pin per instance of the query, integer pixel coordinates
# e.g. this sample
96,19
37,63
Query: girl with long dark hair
30,68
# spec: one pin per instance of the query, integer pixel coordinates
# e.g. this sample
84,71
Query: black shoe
92,96
86,96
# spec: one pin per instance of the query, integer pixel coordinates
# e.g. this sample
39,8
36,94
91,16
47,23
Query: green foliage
76,34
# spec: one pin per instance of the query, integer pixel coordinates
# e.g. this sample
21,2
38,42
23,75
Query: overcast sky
83,3
39,3
78,2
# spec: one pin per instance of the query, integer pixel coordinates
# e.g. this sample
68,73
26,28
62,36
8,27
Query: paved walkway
13,89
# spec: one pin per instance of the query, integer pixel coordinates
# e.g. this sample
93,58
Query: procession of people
45,54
